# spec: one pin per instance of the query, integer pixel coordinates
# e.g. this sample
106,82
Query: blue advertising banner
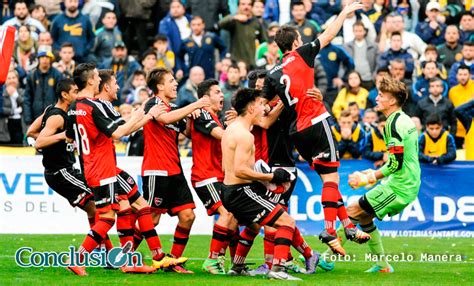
445,204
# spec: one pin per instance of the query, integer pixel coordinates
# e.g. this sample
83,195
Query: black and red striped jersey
290,80
207,152
92,129
260,143
161,155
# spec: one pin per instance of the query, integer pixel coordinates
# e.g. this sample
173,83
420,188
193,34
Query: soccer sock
269,246
247,237
375,243
137,235
234,237
96,235
341,208
181,237
106,242
219,241
329,200
147,230
300,244
124,227
283,238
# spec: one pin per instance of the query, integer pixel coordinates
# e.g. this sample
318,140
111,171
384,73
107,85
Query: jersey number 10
285,79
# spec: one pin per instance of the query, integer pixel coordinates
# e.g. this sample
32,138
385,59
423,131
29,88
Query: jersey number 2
285,79
81,130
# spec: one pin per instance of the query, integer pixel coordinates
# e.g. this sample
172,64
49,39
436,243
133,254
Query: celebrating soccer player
164,185
309,127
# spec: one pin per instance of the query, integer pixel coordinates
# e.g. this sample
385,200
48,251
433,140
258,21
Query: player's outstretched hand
230,115
137,114
281,176
203,102
352,7
157,110
195,114
364,178
315,92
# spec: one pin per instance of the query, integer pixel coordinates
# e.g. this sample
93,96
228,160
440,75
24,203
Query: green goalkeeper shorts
382,201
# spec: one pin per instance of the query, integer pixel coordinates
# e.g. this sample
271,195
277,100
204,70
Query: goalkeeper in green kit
400,176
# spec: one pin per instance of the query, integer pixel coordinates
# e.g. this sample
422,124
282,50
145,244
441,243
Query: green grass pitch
346,273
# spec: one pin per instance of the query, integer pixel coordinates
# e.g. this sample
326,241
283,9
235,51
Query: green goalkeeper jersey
402,170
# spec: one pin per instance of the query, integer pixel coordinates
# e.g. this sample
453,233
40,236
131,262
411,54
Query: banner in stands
445,205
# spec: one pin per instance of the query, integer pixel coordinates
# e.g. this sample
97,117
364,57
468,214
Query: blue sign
445,204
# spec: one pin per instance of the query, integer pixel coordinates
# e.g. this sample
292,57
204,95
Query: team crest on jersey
51,82
158,201
307,31
458,57
190,44
332,56
208,41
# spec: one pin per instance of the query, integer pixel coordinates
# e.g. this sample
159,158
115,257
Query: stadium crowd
429,45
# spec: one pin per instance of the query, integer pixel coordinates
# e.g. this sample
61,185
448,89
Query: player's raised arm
178,114
35,127
328,35
48,136
272,116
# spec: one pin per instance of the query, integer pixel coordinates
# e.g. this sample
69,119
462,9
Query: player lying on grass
401,173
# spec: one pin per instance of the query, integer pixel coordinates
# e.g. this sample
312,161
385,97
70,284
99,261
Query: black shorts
167,194
127,187
210,196
317,145
106,197
249,204
70,184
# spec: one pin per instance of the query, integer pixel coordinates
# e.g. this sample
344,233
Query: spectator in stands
450,51
232,84
243,68
188,92
66,64
422,85
222,67
333,58
176,26
432,29
466,25
22,17
373,12
262,50
53,7
349,136
25,48
38,12
121,63
106,37
431,54
244,31
307,28
353,107
365,53
467,59
411,42
149,60
346,35
397,52
209,11
131,91
200,49
320,77
258,9
45,39
353,92
271,57
165,57
40,87
375,148
459,95
10,117
437,103
136,16
436,145
6,10
74,27
381,72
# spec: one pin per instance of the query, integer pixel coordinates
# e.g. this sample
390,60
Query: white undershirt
183,26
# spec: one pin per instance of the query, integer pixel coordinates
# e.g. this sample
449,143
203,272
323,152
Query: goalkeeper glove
365,178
